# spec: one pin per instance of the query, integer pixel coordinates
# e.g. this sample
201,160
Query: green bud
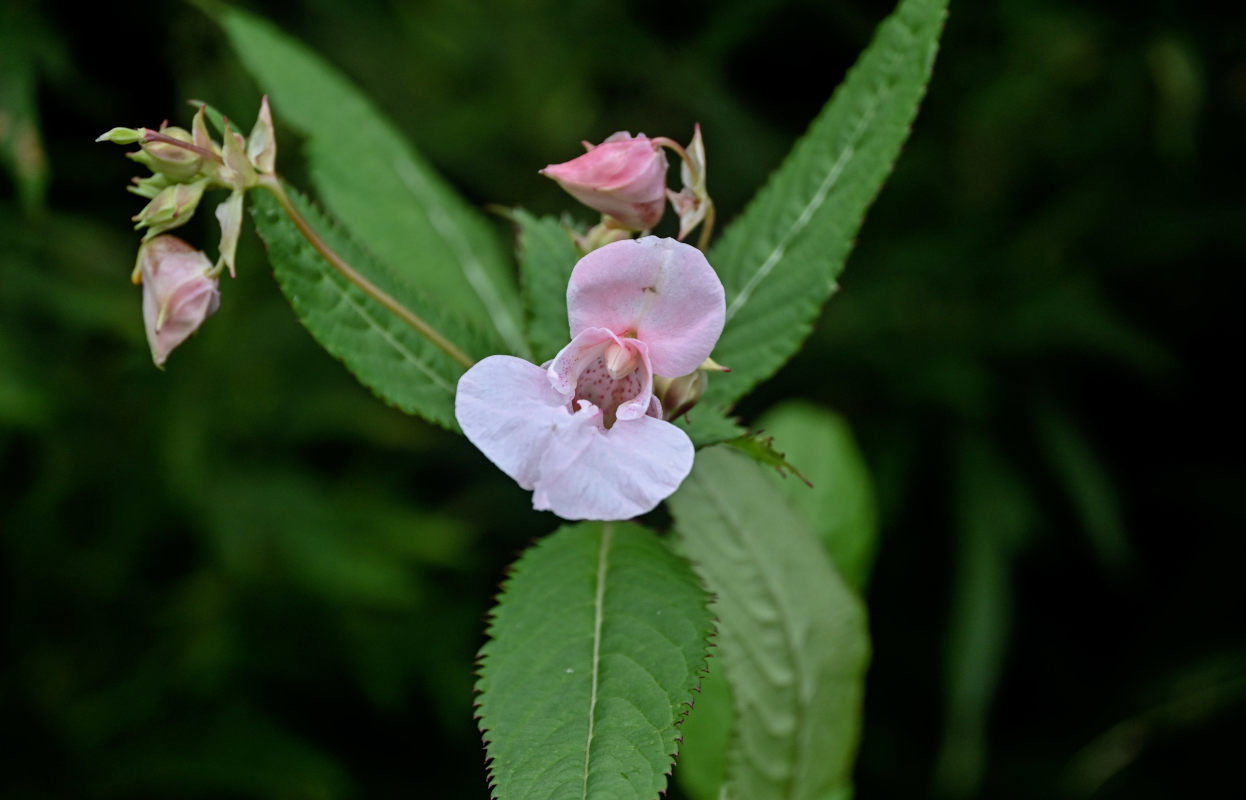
148,187
122,136
172,207
168,158
679,395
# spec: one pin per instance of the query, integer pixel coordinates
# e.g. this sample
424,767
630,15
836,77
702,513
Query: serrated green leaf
706,425
706,737
372,181
839,503
779,261
595,648
401,366
546,257
792,636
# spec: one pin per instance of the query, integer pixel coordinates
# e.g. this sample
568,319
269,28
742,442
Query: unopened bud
122,136
169,158
172,207
624,177
600,235
179,292
679,395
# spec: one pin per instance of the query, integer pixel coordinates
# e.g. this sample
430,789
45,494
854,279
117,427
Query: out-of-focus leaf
236,753
595,647
1087,484
372,181
792,636
384,353
332,543
22,153
779,260
546,258
994,515
839,505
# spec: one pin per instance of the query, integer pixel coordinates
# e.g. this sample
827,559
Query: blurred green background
245,577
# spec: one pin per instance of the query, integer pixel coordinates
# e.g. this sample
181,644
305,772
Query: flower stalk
274,186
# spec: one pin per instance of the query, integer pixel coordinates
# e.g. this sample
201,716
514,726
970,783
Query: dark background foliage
244,577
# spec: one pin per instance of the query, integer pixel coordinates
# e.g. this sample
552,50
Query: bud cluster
624,178
180,285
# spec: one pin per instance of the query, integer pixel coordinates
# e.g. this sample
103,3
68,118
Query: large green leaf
839,506
779,260
373,182
792,638
546,257
595,649
397,363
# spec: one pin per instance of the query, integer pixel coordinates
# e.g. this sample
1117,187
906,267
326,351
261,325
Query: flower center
610,380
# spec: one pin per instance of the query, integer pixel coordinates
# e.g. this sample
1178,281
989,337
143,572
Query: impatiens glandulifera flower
179,292
585,432
624,178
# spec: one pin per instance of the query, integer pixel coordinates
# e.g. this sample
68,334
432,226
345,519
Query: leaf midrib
811,208
607,533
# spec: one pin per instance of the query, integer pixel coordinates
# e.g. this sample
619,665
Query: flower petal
613,474
507,408
661,291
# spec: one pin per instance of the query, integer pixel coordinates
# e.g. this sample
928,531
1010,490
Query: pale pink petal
178,293
660,291
615,474
507,408
190,305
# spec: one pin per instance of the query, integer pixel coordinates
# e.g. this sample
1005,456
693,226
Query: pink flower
623,177
179,292
585,432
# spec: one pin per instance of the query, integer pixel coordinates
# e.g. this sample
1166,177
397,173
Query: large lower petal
507,408
662,291
615,474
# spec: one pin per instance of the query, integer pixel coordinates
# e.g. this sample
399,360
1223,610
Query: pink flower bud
624,177
179,292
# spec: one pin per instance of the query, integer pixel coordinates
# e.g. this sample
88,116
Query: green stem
707,227
273,184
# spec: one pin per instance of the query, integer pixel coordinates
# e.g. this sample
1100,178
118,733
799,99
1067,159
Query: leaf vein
607,531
